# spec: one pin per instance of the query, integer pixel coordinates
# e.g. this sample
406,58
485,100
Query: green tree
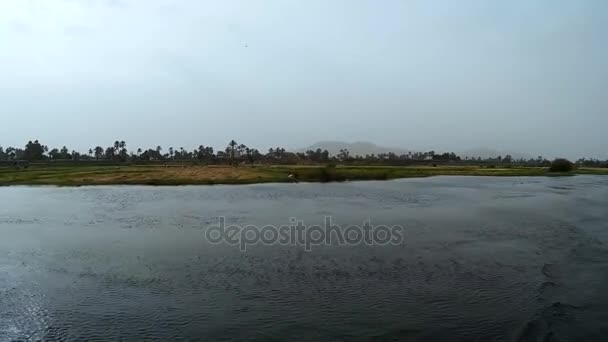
561,165
344,155
54,154
231,150
252,155
33,151
65,153
98,152
11,153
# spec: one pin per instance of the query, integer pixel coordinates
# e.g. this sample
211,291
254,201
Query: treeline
237,154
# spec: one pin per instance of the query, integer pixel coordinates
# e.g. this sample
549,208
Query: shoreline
175,175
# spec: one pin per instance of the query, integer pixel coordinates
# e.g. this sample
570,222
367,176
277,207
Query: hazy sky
528,76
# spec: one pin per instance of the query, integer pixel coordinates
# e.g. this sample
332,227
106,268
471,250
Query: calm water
483,259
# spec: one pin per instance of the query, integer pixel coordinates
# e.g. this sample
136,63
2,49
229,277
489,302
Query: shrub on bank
561,165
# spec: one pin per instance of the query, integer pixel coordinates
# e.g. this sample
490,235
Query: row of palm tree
237,153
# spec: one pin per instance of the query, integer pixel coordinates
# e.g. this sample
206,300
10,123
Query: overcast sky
525,76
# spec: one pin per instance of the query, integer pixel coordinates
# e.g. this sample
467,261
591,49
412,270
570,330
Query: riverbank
194,175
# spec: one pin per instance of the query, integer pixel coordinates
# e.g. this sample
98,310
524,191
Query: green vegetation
561,165
237,154
36,164
76,175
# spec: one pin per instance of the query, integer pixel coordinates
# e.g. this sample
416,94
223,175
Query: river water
482,259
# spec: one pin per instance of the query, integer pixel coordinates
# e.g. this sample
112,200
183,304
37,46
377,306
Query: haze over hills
363,148
491,153
360,148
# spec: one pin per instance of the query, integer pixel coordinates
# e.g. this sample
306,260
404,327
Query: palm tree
241,151
98,152
200,153
251,154
232,150
159,149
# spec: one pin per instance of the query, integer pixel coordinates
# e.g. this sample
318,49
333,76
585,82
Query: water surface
483,259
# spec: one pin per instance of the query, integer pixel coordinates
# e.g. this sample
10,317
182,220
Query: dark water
484,259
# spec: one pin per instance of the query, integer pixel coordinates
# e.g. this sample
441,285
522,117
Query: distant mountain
360,148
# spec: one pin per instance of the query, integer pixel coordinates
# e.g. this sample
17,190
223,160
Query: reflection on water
482,259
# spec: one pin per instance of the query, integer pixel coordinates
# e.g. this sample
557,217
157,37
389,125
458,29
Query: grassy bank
185,175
